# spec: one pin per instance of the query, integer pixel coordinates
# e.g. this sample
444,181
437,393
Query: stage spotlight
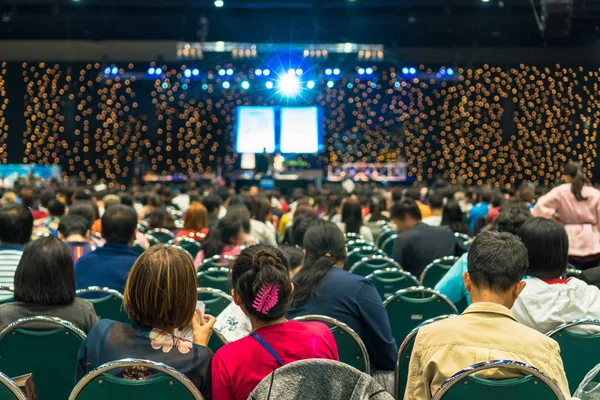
310,84
226,85
195,71
361,71
269,85
222,72
369,71
151,71
219,3
245,85
266,72
258,72
336,71
289,84
328,71
405,71
299,71
107,70
450,71
114,70
230,71
412,70
330,84
187,73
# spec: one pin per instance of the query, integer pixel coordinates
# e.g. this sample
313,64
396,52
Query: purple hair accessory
266,298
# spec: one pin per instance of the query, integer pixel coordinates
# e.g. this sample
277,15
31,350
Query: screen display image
300,130
255,131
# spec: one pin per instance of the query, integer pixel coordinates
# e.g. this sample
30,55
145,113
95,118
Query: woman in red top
195,221
262,288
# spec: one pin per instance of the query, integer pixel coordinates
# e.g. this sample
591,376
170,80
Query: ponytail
575,172
307,279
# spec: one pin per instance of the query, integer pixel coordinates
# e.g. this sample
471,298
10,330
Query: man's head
436,201
16,224
72,225
56,208
212,202
497,262
119,224
512,216
110,200
405,214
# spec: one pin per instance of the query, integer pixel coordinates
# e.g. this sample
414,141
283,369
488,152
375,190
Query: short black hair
16,224
45,274
72,224
241,200
547,245
85,210
405,207
294,255
497,260
436,201
46,197
513,215
119,223
56,208
212,202
126,199
299,227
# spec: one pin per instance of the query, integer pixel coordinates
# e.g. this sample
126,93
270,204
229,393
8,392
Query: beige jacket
484,332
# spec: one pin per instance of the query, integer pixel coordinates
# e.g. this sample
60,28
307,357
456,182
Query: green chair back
216,278
162,235
216,262
152,240
215,301
533,386
359,253
350,237
190,245
107,307
388,244
384,235
138,248
434,272
50,355
369,265
580,352
389,280
6,299
216,341
356,244
9,390
102,384
408,308
351,349
404,354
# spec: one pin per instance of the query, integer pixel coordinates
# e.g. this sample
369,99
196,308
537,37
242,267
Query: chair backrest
407,308
190,245
152,240
579,352
6,299
388,245
534,385
466,239
101,383
434,272
351,349
384,235
9,390
367,265
404,353
50,355
216,278
389,280
138,248
161,234
109,306
359,253
355,244
215,300
354,236
216,262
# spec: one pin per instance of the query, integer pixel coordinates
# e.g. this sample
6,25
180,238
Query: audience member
225,239
486,330
352,219
45,285
28,199
108,266
295,257
73,230
195,222
182,200
258,230
160,218
299,228
453,217
213,207
262,288
436,203
107,201
16,226
480,209
548,300
419,244
160,298
322,287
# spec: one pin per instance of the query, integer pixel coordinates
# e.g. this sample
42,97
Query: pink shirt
239,366
228,250
580,217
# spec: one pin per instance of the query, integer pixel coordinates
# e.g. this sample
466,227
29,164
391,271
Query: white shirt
9,260
364,231
433,220
182,201
261,232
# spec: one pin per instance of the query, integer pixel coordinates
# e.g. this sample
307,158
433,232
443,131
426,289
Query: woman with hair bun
263,289
577,206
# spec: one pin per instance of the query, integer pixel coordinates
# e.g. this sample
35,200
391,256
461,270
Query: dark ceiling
406,23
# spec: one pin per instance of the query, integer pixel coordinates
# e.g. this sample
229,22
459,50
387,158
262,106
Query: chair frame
213,259
61,323
454,259
405,344
339,324
355,236
98,289
7,288
406,274
132,362
161,230
188,239
473,369
375,257
390,239
12,387
421,289
571,324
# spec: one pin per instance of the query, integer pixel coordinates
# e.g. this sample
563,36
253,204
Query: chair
161,234
466,239
50,355
355,244
580,352
107,307
464,385
216,262
7,299
434,272
216,278
188,244
9,390
351,349
384,235
138,248
368,265
216,341
389,280
353,237
407,308
215,300
100,384
152,240
388,244
403,360
358,253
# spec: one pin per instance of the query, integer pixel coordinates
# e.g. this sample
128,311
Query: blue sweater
106,266
354,301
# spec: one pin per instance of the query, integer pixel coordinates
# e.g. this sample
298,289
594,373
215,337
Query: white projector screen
255,130
299,130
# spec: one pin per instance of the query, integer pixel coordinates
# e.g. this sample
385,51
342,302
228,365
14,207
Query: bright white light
230,71
289,84
405,70
369,71
450,71
310,84
361,71
187,73
397,84
336,71
299,71
226,85
219,3
266,72
330,84
115,70
195,71
258,72
245,85
269,85
107,70
204,86
291,71
328,71
164,85
222,72
158,71
151,70
412,70
485,1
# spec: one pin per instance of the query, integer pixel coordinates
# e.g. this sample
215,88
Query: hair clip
266,298
328,255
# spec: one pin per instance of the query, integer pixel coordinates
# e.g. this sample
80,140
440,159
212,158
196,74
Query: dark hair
227,228
409,207
45,274
72,225
485,195
46,197
377,205
575,172
160,218
497,260
126,199
301,224
56,208
261,209
212,202
27,196
497,199
436,201
119,223
547,245
255,267
241,200
16,224
85,210
512,216
352,215
452,217
294,255
241,213
325,245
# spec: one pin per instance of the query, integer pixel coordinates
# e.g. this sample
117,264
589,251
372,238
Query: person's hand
202,327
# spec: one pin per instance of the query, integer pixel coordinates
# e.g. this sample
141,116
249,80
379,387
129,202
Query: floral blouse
111,341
